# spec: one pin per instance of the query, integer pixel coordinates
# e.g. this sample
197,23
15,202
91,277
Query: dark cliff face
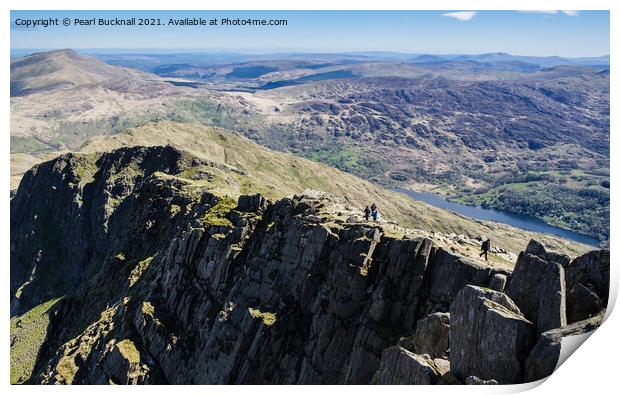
174,284
70,213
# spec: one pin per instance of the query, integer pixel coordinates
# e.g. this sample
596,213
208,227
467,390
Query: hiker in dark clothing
367,213
486,246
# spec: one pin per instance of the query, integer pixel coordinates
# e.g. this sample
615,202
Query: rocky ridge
164,280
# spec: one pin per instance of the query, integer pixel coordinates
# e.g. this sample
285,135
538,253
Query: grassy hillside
276,174
28,332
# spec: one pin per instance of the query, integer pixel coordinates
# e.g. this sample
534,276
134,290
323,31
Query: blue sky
583,33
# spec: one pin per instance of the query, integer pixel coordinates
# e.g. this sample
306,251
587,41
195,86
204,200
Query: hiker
485,247
375,215
374,212
367,213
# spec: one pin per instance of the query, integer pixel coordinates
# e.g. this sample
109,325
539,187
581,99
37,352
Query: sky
562,33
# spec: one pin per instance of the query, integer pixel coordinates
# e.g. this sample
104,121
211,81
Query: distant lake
489,214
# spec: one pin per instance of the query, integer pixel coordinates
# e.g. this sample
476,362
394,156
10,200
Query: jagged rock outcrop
399,366
498,282
538,287
587,285
489,338
214,290
167,275
536,248
431,336
69,213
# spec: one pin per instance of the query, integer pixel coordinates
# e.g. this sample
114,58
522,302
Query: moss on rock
216,216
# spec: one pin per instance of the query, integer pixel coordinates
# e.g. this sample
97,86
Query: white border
591,369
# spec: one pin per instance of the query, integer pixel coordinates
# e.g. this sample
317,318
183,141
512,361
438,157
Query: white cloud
554,12
461,15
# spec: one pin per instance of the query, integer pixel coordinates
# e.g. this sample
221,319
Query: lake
489,214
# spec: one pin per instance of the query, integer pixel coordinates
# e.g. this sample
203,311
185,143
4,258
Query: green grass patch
216,216
174,210
128,350
267,317
28,144
28,333
85,169
341,157
139,270
148,309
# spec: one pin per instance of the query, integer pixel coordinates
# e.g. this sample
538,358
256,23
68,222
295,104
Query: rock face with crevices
538,287
399,366
489,337
165,279
587,285
431,336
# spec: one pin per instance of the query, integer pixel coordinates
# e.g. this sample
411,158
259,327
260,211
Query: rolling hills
62,99
275,175
482,129
476,141
501,131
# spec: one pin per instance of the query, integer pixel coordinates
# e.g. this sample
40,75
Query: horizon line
289,51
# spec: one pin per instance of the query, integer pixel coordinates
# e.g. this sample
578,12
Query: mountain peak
61,51
63,68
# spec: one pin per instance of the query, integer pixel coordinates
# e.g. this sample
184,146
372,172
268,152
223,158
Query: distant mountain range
146,61
544,61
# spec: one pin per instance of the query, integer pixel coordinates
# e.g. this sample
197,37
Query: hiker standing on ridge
485,247
374,212
367,213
